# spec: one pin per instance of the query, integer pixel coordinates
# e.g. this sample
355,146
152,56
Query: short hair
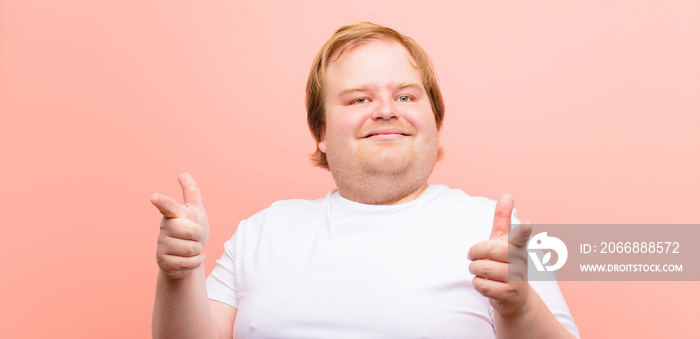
345,38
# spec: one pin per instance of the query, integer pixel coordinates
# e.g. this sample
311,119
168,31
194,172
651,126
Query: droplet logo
542,242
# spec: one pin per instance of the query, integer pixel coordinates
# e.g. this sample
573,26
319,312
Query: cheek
423,121
344,124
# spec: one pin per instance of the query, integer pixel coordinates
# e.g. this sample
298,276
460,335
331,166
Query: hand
184,230
490,263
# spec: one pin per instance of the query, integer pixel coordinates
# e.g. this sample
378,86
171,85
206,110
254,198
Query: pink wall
588,112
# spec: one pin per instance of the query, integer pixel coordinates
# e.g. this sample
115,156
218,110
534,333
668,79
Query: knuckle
181,228
190,189
509,293
182,264
161,249
193,249
482,287
162,262
190,230
489,248
486,270
187,264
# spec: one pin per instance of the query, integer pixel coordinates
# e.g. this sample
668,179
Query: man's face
378,115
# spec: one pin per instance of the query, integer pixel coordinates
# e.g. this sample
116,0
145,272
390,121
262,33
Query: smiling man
385,255
380,136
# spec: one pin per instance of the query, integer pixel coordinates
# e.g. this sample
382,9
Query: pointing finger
167,206
519,235
190,190
501,217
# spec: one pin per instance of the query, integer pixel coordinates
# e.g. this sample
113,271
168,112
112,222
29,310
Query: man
385,255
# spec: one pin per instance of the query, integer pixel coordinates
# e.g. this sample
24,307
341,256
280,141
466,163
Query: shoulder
454,197
287,211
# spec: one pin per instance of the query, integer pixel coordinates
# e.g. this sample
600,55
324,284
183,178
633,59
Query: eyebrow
373,87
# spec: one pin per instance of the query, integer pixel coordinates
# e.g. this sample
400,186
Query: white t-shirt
334,268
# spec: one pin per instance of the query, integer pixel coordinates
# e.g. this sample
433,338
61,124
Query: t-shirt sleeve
221,283
551,295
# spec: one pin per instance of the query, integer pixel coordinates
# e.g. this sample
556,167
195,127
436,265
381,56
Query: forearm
535,320
182,307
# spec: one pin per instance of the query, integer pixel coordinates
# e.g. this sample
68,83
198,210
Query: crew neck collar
352,206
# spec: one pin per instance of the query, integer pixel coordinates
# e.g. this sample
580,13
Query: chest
372,278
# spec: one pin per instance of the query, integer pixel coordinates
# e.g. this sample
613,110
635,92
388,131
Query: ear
322,146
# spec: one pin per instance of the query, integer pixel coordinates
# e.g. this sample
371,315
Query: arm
519,311
534,320
182,309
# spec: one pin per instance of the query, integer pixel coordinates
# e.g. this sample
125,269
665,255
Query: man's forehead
349,45
339,54
376,59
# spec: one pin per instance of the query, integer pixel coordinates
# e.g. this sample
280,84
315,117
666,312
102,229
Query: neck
391,190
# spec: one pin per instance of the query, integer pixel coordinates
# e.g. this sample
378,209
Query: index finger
520,235
167,206
501,217
190,190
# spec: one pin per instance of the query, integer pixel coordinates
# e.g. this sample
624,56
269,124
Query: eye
360,101
404,98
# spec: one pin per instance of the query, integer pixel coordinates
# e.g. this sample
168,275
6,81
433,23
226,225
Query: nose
384,110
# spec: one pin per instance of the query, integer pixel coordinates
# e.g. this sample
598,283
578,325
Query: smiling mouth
386,133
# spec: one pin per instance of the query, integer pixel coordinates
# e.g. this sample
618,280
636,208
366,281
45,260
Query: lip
386,133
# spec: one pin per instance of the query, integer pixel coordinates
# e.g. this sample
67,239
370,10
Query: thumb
501,217
190,190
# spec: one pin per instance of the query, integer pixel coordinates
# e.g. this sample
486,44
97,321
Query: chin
386,168
388,164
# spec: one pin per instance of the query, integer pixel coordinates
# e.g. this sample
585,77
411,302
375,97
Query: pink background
587,111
